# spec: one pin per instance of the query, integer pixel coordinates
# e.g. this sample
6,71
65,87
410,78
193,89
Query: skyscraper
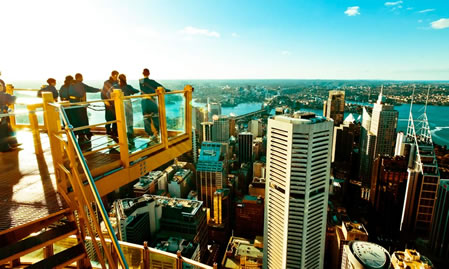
423,176
378,135
220,129
334,107
210,172
388,183
298,166
207,131
245,147
439,237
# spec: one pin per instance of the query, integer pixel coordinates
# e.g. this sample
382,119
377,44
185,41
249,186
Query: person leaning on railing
149,106
127,91
77,93
2,84
64,90
108,86
7,140
49,88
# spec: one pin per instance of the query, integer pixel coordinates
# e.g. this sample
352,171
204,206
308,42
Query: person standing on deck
7,140
50,88
64,90
149,105
127,91
106,93
2,84
77,93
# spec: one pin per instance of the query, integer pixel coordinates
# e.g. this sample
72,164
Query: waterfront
437,116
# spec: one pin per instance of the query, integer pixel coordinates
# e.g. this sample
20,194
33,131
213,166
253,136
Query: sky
204,39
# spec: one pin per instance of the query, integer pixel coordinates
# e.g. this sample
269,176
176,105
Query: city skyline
400,40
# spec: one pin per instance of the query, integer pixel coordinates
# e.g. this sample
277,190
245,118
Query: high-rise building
388,183
439,237
334,107
249,216
256,128
210,172
207,131
150,217
423,176
220,129
378,136
364,255
384,121
298,167
343,148
245,147
213,109
181,183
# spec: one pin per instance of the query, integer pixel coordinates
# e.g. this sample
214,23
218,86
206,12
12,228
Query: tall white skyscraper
297,187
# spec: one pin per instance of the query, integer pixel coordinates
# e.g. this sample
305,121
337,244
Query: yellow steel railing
65,150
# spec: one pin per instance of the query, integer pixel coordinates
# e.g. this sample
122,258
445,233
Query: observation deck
53,176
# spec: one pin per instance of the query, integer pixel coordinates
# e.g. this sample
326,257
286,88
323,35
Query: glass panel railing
142,123
158,260
94,139
24,98
175,107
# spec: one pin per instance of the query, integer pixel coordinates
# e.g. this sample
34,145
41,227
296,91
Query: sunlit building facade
298,165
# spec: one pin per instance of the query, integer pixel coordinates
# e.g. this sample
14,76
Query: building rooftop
301,118
241,250
186,207
370,255
410,259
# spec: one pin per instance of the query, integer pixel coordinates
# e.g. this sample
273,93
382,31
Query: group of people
74,91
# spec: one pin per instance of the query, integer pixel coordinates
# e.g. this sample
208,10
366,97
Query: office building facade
220,129
297,187
334,107
245,147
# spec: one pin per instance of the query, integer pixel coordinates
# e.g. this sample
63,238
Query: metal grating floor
27,183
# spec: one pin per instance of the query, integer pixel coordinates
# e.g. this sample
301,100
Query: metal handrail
155,251
96,194
140,96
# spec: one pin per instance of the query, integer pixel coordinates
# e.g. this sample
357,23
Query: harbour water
438,117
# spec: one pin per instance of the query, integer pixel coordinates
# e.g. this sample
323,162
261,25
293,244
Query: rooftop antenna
413,96
427,100
379,100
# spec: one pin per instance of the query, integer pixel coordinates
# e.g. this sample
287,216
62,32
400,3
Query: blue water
438,117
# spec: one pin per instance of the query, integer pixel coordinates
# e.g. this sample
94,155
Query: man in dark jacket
7,139
106,93
50,88
149,105
77,93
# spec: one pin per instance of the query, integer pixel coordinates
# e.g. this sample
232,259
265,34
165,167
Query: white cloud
440,24
426,10
393,3
419,21
352,11
285,52
409,8
235,35
189,30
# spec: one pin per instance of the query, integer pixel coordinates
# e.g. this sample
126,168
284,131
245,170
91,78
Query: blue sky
226,39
